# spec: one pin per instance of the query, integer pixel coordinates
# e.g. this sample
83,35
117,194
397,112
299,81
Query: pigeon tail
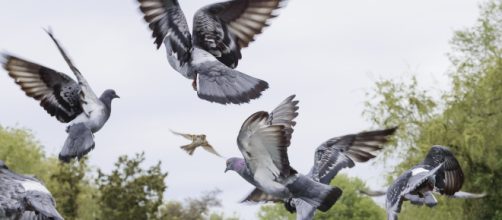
330,199
188,149
316,194
80,141
224,85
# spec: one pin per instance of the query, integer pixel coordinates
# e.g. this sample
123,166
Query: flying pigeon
197,141
209,55
457,195
439,172
70,102
24,197
336,154
263,141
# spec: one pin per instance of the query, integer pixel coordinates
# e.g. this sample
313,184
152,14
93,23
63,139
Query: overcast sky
329,53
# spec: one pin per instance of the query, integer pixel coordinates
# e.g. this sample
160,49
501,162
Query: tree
130,192
351,205
193,209
467,118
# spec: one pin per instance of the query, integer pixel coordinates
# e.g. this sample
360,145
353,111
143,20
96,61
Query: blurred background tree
128,192
466,117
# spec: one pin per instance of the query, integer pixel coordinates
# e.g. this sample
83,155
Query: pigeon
24,197
336,154
439,172
197,141
263,141
210,53
69,101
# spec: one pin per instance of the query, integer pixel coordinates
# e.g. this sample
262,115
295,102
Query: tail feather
80,141
316,194
224,85
330,199
188,149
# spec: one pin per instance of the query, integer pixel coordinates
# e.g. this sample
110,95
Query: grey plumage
263,141
208,57
439,173
336,154
70,101
24,197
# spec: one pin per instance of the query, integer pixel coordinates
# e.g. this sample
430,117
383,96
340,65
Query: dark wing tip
330,199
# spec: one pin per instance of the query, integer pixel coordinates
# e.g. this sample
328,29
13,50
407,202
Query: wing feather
342,152
264,138
224,28
57,92
169,26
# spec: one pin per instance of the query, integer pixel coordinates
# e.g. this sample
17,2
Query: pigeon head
108,95
236,164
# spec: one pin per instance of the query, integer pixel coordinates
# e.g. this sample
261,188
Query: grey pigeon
197,141
439,172
24,197
263,141
209,55
69,101
336,154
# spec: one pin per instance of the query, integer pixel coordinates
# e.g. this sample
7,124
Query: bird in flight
336,154
439,173
24,197
70,101
263,140
197,141
210,53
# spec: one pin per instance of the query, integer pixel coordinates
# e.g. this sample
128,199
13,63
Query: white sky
327,52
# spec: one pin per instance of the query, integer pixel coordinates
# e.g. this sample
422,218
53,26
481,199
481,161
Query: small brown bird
197,141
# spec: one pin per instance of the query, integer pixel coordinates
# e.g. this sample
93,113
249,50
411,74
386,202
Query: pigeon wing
452,177
405,184
88,98
257,196
341,152
43,204
264,138
467,195
224,28
169,26
57,92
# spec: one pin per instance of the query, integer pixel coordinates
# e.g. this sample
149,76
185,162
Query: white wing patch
418,171
30,185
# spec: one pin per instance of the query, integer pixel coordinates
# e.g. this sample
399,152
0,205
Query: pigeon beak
226,169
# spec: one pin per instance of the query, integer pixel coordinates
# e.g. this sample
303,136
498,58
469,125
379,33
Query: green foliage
468,118
193,209
20,151
351,205
130,192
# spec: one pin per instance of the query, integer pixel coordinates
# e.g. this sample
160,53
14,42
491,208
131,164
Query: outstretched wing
57,92
186,136
341,152
264,138
451,178
224,28
169,25
88,98
258,196
405,184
